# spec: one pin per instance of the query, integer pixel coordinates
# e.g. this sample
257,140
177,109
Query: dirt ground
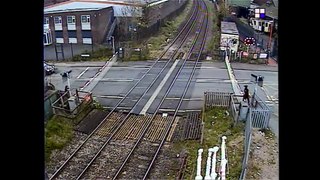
264,157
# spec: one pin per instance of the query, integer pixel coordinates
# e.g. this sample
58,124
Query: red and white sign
245,54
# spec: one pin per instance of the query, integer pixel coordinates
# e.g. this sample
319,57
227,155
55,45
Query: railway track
130,168
84,156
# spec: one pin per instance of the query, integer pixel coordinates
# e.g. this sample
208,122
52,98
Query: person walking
246,94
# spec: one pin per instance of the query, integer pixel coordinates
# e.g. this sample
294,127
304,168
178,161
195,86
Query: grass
268,133
217,16
216,125
59,131
168,31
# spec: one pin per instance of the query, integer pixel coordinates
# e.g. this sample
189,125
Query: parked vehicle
49,68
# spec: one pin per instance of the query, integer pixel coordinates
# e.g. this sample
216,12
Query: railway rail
129,168
83,157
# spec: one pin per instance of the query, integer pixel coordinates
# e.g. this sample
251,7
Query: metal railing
214,99
61,106
247,143
260,113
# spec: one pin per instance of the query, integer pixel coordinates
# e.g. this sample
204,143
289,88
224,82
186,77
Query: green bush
58,132
98,55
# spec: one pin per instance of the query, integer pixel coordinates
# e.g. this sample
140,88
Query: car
48,68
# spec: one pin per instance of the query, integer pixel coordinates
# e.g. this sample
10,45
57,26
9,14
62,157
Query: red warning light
249,41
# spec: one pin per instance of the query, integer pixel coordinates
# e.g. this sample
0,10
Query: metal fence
217,99
62,106
247,143
233,108
48,112
258,117
260,114
222,99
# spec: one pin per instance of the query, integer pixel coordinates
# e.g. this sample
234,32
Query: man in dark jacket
246,94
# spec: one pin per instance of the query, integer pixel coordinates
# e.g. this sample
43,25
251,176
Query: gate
260,113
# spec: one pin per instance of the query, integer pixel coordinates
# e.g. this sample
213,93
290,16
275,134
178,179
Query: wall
99,20
161,11
103,23
155,16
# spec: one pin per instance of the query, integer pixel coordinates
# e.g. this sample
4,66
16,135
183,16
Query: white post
199,177
208,177
223,159
214,160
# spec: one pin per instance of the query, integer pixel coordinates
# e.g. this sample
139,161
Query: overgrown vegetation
168,31
102,54
217,16
216,124
59,131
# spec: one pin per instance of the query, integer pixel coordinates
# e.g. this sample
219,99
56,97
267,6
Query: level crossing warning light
249,41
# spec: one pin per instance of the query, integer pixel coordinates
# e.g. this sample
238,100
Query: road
209,76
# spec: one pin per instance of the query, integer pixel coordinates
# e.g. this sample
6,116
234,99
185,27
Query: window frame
87,18
59,19
73,19
46,20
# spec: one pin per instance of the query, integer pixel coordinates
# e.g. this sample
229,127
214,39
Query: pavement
272,62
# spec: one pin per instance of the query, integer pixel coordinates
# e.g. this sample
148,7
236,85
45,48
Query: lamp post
258,80
67,75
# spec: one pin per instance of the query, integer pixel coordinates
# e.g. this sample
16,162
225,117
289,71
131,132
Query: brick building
93,22
78,22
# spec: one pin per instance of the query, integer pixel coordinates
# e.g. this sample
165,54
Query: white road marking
99,75
186,99
110,96
156,92
83,72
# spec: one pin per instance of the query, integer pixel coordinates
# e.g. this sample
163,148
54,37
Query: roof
242,3
71,6
120,10
157,2
271,9
229,28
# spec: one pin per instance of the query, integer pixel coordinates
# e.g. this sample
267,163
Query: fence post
202,118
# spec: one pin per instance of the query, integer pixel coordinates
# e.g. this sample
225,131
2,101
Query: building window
85,18
57,20
46,20
259,23
71,19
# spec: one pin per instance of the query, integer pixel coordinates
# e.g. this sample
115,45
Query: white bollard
199,177
223,159
208,177
214,160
